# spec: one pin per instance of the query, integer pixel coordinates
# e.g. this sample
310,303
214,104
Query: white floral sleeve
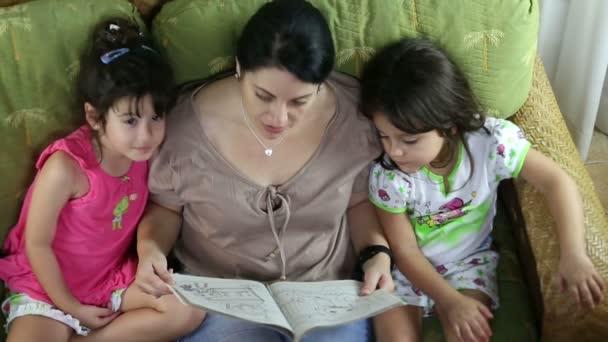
389,190
508,149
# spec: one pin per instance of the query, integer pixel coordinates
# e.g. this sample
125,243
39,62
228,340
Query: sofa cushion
40,43
494,40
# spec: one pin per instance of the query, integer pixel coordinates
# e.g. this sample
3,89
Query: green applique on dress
120,209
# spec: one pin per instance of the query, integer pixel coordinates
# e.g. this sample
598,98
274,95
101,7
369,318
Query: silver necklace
267,148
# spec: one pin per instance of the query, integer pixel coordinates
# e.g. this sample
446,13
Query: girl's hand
467,319
152,274
578,276
377,274
94,317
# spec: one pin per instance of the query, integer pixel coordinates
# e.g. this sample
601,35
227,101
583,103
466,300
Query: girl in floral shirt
435,192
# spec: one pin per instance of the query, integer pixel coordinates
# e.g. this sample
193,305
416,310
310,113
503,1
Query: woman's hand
152,276
377,274
578,276
94,317
467,319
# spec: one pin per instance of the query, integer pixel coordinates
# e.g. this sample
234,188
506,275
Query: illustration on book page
310,305
242,299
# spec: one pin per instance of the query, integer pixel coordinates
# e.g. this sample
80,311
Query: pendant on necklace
268,152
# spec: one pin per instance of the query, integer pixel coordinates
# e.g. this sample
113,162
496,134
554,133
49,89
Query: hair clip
113,27
146,47
109,56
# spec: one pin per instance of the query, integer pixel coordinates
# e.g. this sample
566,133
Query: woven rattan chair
543,123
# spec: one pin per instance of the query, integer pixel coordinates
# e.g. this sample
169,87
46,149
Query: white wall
552,23
552,19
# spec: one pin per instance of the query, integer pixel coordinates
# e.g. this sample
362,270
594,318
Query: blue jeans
219,328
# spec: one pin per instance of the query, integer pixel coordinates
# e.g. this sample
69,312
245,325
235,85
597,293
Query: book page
243,299
310,305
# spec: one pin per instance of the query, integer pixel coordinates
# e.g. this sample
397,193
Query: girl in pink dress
70,263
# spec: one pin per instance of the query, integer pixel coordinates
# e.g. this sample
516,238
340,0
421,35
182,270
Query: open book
294,308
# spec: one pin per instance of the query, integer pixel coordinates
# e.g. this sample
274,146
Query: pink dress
94,238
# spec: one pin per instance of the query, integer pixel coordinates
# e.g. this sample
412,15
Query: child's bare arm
577,273
467,317
54,186
563,198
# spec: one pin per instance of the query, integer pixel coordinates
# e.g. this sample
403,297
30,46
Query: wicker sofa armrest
543,123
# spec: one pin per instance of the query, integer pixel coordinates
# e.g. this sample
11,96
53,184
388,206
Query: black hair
289,34
140,71
419,88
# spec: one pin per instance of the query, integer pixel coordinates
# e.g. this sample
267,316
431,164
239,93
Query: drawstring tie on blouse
271,195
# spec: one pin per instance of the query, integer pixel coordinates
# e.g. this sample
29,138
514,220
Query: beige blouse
226,233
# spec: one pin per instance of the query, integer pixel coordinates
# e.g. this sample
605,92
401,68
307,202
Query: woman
263,175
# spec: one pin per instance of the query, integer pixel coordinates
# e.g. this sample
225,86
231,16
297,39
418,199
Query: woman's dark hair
121,62
289,34
419,88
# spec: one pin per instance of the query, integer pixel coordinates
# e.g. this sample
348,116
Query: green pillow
494,41
40,43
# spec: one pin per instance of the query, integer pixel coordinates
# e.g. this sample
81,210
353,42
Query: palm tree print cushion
494,41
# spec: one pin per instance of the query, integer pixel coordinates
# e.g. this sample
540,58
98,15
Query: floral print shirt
450,225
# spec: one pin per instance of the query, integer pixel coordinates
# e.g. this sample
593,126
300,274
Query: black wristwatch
370,251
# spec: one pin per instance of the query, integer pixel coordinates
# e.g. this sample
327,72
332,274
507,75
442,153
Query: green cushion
514,320
40,43
493,40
